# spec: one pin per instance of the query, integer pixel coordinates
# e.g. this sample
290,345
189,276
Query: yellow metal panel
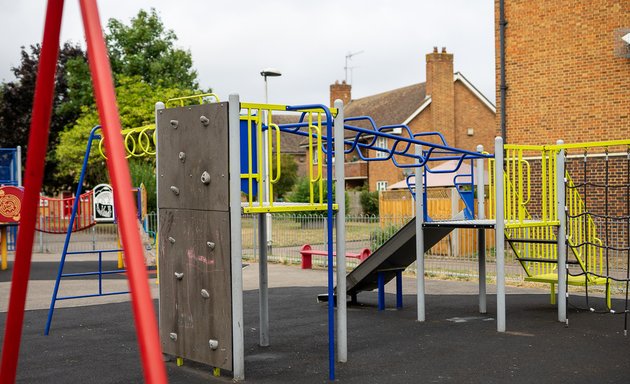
288,208
199,97
592,144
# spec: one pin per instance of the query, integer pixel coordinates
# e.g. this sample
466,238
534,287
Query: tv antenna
349,57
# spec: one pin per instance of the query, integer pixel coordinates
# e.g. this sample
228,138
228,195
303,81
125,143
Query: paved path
94,341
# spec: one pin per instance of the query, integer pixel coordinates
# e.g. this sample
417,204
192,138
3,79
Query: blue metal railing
100,273
65,252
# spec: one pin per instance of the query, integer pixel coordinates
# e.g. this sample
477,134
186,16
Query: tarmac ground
93,341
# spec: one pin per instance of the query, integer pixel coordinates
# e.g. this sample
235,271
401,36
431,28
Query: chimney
340,91
441,89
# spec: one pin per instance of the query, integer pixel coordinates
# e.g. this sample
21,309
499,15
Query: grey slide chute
397,253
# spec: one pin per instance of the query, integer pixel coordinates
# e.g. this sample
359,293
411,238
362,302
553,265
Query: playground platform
96,343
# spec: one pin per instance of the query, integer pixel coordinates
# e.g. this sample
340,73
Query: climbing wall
194,233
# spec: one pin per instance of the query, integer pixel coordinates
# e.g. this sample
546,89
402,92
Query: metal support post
238,346
18,166
263,290
340,230
381,290
500,233
399,292
562,235
420,237
481,232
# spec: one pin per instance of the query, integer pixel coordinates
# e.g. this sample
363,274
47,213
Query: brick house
567,70
447,102
566,76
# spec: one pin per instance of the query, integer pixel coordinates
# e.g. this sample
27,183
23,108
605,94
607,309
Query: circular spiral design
10,206
139,142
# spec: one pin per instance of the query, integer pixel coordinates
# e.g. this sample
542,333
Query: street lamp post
265,73
264,224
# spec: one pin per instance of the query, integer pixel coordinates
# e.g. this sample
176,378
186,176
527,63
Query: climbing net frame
602,178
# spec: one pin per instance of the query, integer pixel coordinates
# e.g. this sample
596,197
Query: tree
369,202
301,192
136,103
288,175
145,48
16,102
147,68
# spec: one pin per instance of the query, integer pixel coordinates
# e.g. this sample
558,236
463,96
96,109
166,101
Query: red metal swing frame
142,304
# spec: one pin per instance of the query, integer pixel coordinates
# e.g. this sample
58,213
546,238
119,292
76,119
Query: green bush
143,172
301,193
381,235
369,202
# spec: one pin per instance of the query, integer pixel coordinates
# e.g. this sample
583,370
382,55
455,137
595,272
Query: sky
307,40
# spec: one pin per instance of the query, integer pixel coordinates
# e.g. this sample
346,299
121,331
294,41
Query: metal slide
397,253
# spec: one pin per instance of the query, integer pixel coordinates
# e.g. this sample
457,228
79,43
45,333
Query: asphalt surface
97,343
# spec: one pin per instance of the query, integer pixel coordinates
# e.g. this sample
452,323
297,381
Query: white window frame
381,185
381,142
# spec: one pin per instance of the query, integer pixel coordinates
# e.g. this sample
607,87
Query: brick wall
441,89
471,113
341,91
564,77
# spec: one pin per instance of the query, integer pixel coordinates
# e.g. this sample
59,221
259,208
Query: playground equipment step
541,260
530,240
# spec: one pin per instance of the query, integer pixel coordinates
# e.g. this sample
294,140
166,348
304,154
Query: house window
381,142
381,185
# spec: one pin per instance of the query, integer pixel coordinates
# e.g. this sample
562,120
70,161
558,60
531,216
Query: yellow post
3,245
121,264
180,361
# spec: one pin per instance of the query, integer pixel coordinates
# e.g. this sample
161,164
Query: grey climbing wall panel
194,246
186,149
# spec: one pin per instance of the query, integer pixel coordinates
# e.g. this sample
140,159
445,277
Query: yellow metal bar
260,159
527,180
288,208
200,98
532,224
250,160
524,147
320,157
592,144
543,184
3,245
260,107
277,178
519,161
270,156
310,162
121,263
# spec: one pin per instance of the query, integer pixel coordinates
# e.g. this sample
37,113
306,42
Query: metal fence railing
454,256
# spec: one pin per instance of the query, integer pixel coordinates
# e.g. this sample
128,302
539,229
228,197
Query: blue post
100,273
399,295
331,293
75,207
381,291
329,196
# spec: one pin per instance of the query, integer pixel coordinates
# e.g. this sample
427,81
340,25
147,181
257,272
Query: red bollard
307,257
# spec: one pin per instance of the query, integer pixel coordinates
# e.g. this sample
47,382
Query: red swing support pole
142,304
